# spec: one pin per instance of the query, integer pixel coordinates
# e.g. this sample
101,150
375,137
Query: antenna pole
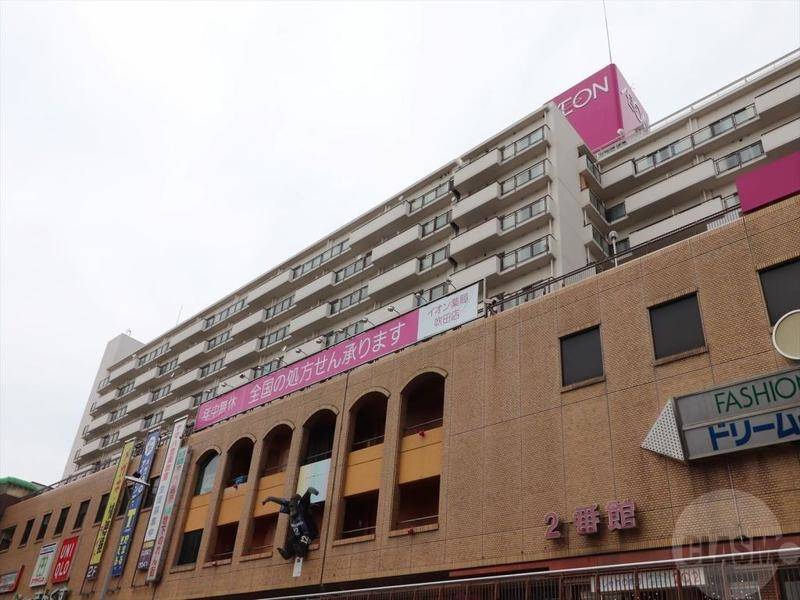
608,35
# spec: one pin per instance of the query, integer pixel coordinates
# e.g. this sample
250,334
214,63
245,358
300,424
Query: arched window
198,508
237,469
239,457
315,459
206,473
420,464
362,476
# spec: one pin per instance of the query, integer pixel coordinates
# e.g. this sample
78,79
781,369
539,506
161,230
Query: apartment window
354,267
211,367
118,413
83,508
62,521
435,224
525,253
581,356
523,143
169,366
274,336
124,389
739,158
153,420
676,327
781,285
159,393
206,474
218,339
267,368
340,335
623,245
101,508
150,493
279,307
103,382
43,526
122,505
319,259
421,201
433,258
153,354
109,439
224,313
204,396
6,535
615,212
349,300
431,294
523,214
521,178
190,546
26,533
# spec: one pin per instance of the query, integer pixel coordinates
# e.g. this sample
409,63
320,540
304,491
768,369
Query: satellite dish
786,335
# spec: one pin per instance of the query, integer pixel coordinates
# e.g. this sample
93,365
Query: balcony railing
738,158
522,178
521,215
511,150
512,258
592,167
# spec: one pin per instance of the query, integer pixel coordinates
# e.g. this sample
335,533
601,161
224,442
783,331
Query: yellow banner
111,509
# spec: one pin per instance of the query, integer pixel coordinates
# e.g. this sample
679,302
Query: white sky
157,155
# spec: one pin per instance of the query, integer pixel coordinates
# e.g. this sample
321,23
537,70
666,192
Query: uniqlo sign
64,559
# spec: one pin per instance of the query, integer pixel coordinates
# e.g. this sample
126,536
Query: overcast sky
156,156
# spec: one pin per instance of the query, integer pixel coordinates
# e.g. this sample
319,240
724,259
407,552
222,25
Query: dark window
151,492
98,516
62,520
190,546
6,535
360,514
615,212
82,510
581,356
781,287
43,526
676,327
26,533
123,502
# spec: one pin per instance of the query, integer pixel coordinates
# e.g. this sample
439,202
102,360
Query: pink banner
769,183
358,350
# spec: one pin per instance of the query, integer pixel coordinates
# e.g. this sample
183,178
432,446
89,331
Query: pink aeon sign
769,183
602,108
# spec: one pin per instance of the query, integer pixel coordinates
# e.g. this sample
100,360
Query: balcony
473,242
105,399
405,244
313,290
146,377
783,139
96,425
674,188
121,371
274,286
780,101
130,430
595,243
242,354
621,173
387,283
90,448
484,269
178,408
192,356
185,334
420,456
676,221
249,324
525,259
476,206
480,170
310,320
591,174
368,234
186,379
138,403
363,471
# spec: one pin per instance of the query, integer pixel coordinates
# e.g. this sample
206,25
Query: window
353,268
421,201
224,313
523,177
151,492
267,368
122,504
218,339
204,396
118,413
26,533
152,420
109,439
581,356
523,214
435,224
83,508
159,393
623,245
190,546
781,285
211,367
6,535
615,212
676,327
43,526
349,300
205,475
523,143
321,258
103,382
274,336
433,258
124,389
62,520
143,360
431,294
334,337
169,366
526,252
279,307
101,508
740,157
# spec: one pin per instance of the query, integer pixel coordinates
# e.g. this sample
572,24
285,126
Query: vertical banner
161,495
111,510
66,553
164,528
138,494
41,570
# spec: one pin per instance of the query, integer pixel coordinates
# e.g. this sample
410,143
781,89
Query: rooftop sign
603,108
426,321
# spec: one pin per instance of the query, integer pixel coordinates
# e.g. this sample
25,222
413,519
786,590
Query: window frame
593,377
660,357
794,262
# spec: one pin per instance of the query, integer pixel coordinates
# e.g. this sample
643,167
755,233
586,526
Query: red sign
64,559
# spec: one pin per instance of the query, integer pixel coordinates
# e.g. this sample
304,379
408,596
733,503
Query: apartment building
524,209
